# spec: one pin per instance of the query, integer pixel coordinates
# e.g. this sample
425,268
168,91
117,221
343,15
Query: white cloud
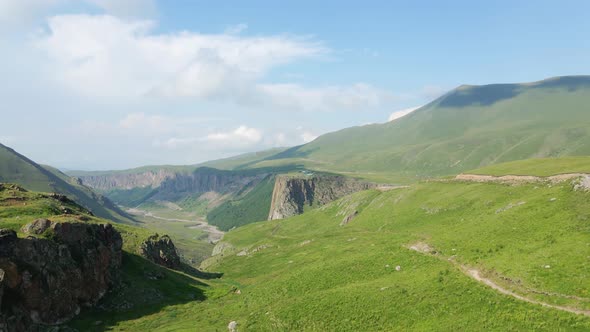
333,98
398,114
108,56
239,136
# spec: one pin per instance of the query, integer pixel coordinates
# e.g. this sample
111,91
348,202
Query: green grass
538,167
312,274
253,206
335,281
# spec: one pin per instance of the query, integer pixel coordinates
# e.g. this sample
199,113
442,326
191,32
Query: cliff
132,189
204,180
47,279
291,194
106,182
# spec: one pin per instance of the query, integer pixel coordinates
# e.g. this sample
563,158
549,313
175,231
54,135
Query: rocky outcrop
47,279
205,180
109,181
292,194
39,226
170,185
160,250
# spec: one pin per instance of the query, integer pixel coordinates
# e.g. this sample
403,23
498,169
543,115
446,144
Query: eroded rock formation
160,250
47,279
292,194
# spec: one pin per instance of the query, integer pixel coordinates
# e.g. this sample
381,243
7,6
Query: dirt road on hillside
424,248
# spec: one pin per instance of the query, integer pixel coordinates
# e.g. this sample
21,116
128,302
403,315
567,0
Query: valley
304,166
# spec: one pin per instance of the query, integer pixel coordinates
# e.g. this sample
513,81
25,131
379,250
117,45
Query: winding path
477,275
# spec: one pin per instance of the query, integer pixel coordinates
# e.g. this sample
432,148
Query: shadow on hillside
571,83
487,95
480,95
198,273
144,289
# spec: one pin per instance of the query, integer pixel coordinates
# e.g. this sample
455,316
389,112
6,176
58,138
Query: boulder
160,250
37,227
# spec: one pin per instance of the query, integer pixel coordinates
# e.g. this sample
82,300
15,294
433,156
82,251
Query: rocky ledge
292,194
47,279
160,250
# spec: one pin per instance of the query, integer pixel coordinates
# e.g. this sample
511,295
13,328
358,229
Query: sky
114,84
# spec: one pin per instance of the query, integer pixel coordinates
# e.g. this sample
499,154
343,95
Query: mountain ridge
17,168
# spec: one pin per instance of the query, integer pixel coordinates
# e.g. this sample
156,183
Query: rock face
204,180
168,185
47,280
291,194
38,226
126,180
160,250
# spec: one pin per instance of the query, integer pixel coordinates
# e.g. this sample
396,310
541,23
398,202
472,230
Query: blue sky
106,84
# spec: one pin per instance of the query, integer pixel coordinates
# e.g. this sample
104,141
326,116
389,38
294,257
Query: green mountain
16,168
469,127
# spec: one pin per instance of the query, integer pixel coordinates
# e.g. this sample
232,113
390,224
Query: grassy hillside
309,273
248,207
17,168
469,127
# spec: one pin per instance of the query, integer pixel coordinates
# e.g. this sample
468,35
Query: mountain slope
458,244
469,127
16,168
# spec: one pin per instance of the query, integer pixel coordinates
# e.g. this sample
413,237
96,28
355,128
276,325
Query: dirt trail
477,275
